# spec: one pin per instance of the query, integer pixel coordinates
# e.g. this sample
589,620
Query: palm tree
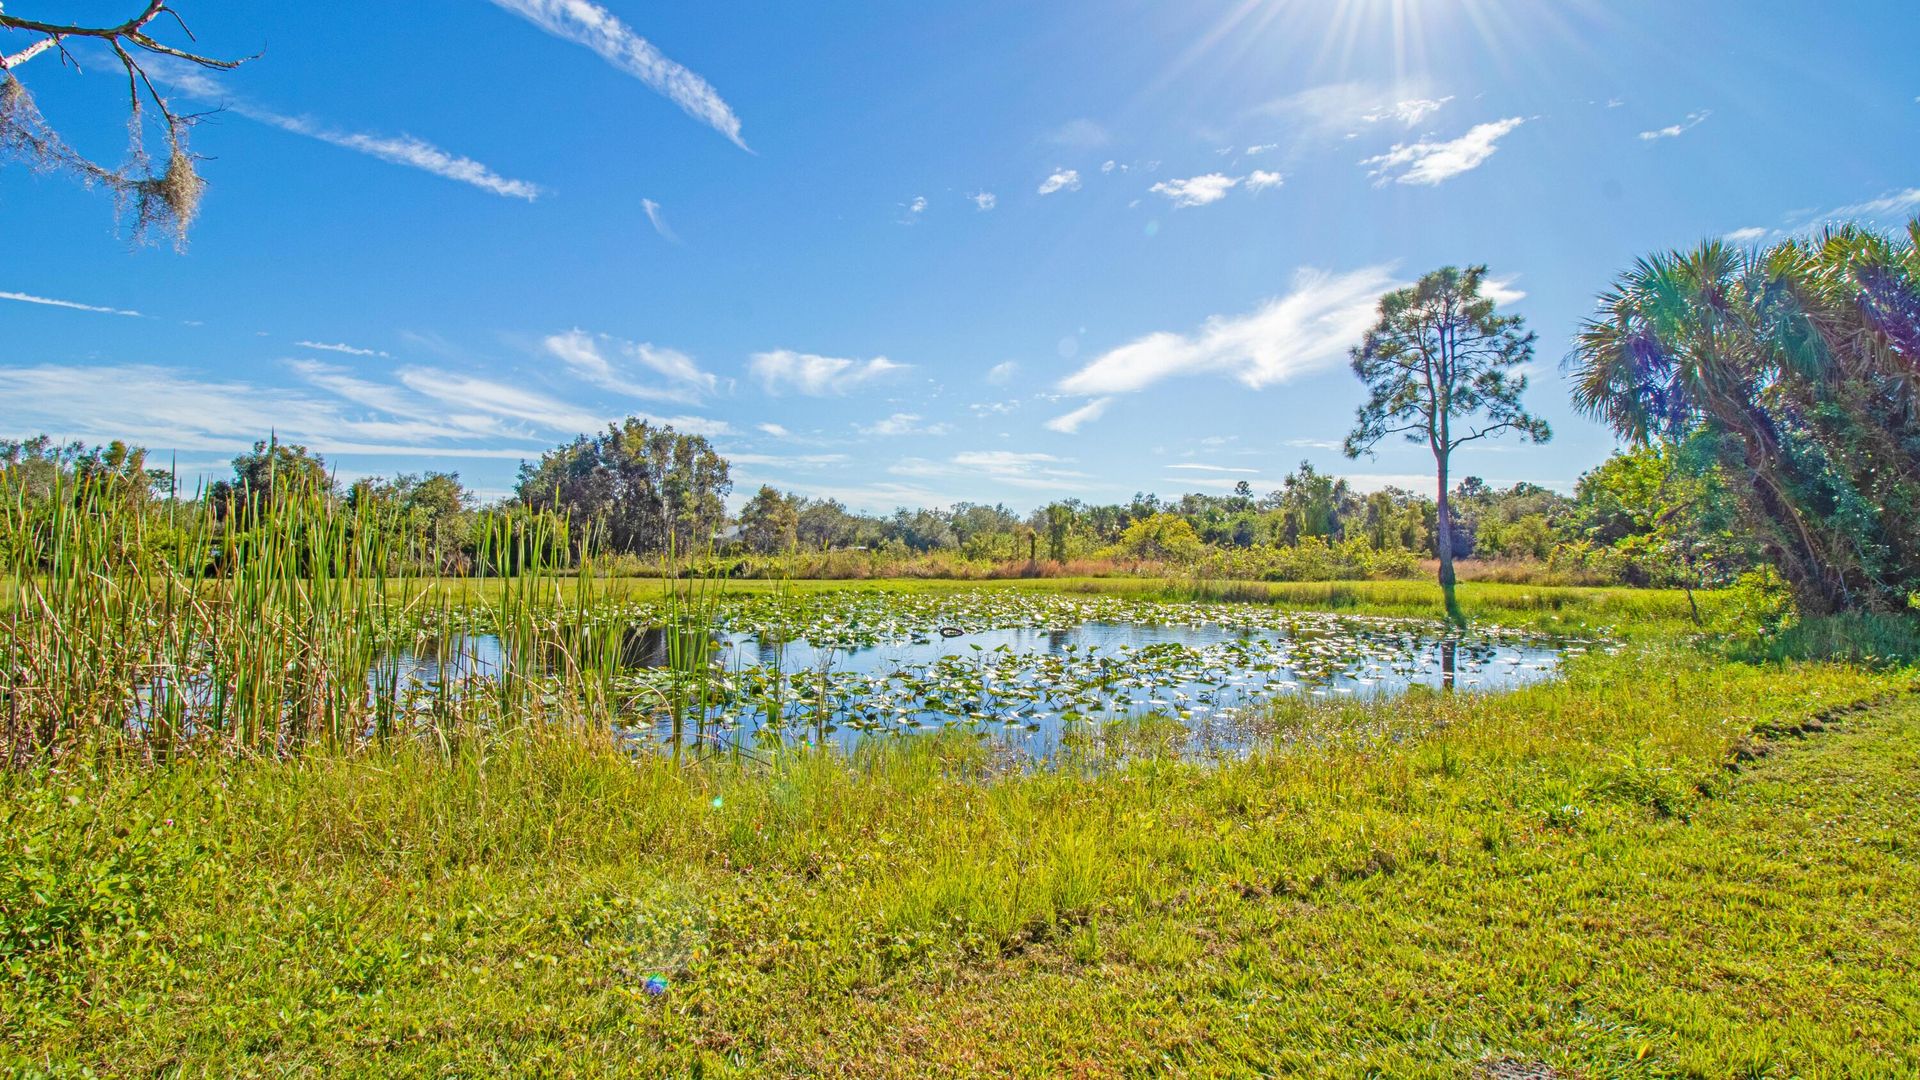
1800,361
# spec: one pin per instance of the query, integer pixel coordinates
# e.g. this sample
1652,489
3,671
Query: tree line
646,491
1766,399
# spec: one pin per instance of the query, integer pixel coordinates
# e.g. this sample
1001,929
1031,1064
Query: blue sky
907,254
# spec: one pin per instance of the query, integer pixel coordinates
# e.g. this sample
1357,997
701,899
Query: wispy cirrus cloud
1196,190
593,26
1197,467
1079,134
401,149
1674,131
1009,467
658,222
791,461
782,370
1060,180
411,152
1434,162
71,305
1070,423
1408,112
1893,203
1891,207
605,362
1346,109
1305,330
511,401
337,347
177,409
903,423
417,413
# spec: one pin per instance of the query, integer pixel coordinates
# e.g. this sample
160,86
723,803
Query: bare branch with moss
159,200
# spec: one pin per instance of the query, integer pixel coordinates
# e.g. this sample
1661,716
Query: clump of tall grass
275,620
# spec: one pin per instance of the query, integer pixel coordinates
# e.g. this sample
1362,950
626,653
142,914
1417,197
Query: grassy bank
1567,874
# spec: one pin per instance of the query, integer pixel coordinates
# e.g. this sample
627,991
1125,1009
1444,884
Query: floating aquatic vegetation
1038,671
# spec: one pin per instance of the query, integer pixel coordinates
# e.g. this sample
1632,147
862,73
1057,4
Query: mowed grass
1568,874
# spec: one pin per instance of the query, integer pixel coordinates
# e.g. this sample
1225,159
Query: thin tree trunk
1443,543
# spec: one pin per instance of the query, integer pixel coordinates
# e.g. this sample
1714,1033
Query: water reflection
1028,688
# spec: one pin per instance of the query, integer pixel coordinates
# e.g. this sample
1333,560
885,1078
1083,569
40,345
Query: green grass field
1572,874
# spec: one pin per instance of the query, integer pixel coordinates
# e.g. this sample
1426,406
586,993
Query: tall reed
272,621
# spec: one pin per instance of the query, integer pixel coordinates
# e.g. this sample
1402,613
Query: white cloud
1434,162
915,208
1259,180
402,149
659,223
816,376
1196,190
902,423
174,409
1262,148
1674,131
339,348
1367,483
1196,467
425,413
1342,110
589,24
417,154
985,200
520,403
1028,470
1002,373
1109,166
1081,134
774,430
1409,112
27,298
876,497
603,361
498,399
1306,330
1747,235
1071,423
1061,180
795,461
1899,202
1502,290
1226,483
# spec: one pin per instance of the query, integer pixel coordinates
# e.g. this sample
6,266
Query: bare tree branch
165,200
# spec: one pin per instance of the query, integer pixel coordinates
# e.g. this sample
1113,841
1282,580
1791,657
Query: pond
1031,673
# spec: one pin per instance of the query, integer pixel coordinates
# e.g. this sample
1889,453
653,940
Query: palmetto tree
1800,361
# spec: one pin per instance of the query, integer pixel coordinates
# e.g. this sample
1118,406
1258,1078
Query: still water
1030,690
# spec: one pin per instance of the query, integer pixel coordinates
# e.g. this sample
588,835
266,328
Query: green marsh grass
1568,874
269,630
